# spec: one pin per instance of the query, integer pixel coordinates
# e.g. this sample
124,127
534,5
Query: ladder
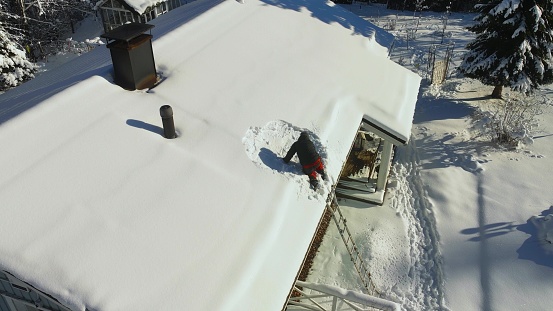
352,248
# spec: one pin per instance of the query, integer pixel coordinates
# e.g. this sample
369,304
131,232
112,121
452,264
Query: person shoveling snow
310,159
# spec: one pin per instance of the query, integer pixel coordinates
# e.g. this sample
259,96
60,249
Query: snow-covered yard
464,224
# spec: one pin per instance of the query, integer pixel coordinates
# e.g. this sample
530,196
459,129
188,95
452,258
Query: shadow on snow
274,162
327,14
489,231
145,126
431,109
531,249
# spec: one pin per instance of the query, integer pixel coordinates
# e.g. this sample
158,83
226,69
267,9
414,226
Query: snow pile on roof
266,146
109,215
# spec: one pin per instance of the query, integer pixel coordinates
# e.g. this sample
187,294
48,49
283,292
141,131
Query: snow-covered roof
102,212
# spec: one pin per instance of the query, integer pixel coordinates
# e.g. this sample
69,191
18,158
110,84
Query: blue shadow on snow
531,248
145,126
328,14
489,231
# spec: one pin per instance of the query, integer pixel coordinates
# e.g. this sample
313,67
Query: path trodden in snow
410,200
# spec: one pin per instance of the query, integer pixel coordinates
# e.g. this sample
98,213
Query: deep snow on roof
102,212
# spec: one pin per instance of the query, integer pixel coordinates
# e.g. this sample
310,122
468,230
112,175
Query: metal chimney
132,56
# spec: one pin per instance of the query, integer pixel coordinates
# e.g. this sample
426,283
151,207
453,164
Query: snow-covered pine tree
513,45
14,66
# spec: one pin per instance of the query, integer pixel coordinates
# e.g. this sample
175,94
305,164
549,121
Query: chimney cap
127,32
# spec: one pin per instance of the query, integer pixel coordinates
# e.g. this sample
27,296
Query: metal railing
320,297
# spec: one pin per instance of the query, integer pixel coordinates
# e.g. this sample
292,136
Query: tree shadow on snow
531,249
431,109
451,149
31,93
442,152
327,14
489,231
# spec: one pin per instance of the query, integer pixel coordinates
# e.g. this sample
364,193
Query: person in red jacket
310,159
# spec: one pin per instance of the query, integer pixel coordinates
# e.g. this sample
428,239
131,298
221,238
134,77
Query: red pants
312,169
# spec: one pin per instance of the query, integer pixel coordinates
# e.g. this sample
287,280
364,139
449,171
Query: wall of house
114,14
16,295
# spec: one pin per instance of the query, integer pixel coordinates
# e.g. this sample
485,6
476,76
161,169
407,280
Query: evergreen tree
14,66
513,45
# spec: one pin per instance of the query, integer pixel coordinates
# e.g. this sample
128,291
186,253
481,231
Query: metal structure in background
439,58
132,56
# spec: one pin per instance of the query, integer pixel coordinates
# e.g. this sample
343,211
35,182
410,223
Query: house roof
102,212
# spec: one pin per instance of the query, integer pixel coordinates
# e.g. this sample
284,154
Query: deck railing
319,297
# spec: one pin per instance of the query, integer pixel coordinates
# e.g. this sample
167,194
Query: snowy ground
464,225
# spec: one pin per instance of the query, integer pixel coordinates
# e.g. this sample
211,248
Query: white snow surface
102,212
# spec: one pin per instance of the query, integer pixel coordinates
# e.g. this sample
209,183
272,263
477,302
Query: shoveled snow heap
267,145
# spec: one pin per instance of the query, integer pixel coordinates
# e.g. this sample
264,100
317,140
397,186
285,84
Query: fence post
334,303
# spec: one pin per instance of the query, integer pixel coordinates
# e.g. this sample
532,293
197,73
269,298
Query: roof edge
382,132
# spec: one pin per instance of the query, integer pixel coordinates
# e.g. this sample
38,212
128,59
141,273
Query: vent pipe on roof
166,113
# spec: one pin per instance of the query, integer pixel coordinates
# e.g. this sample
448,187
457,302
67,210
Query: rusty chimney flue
132,56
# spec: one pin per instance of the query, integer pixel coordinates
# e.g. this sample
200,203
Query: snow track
412,204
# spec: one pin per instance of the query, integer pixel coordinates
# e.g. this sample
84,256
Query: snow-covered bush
14,66
76,47
509,122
